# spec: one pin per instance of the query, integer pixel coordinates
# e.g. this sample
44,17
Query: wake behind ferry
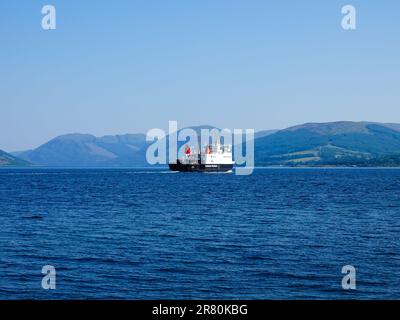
212,158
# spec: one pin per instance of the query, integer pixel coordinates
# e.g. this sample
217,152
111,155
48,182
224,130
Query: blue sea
153,234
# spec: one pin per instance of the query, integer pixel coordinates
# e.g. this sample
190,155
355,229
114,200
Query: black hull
200,167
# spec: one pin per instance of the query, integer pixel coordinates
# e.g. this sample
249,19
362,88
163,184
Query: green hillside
337,143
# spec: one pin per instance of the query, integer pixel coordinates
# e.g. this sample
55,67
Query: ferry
212,158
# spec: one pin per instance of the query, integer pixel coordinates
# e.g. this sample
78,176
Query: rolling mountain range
341,143
85,150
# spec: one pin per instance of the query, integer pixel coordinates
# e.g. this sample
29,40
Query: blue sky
115,67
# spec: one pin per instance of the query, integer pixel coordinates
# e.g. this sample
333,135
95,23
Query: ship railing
189,160
221,148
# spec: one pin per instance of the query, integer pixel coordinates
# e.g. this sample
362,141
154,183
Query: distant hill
334,143
88,150
85,150
342,143
263,133
7,159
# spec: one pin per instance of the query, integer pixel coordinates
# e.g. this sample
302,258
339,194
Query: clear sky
114,67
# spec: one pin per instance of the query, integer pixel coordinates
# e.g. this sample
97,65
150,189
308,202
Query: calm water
149,234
